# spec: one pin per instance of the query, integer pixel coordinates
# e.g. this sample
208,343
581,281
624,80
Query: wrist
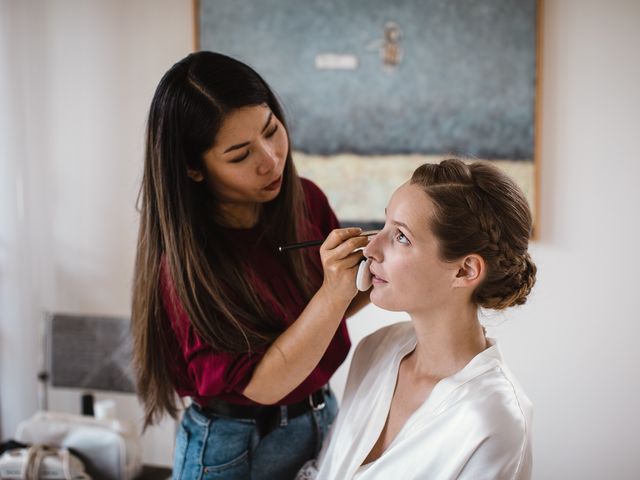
332,301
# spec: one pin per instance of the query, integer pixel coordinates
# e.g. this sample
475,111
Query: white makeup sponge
363,278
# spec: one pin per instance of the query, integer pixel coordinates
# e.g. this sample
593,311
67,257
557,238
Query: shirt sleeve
209,373
504,455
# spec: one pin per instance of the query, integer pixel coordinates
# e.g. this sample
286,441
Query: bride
432,398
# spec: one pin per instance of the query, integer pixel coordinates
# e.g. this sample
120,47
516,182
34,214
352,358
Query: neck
447,340
238,216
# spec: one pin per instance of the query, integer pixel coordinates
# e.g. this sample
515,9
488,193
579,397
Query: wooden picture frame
372,89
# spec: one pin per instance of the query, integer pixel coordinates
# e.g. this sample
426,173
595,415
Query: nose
373,250
268,160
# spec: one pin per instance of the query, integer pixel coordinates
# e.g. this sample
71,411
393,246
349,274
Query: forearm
360,301
296,352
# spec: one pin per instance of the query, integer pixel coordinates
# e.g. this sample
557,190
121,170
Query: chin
269,196
380,301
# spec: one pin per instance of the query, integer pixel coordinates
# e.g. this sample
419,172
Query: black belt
267,417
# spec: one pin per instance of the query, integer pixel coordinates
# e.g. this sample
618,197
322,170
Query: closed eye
269,134
239,159
272,132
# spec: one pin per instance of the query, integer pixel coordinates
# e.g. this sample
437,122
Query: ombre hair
178,240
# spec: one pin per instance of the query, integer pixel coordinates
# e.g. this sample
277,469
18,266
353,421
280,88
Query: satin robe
475,424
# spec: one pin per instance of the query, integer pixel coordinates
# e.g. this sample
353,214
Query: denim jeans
214,447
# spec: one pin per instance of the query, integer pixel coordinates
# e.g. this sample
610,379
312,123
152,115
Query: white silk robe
475,424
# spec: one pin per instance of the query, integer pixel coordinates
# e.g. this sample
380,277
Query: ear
195,175
470,272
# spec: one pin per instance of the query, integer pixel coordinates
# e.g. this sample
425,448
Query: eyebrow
399,224
244,144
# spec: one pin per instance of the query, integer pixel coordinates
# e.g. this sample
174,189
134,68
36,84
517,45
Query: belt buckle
316,406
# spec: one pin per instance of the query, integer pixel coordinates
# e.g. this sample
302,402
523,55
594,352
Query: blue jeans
214,447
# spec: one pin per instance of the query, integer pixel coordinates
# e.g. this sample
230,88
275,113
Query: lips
275,184
375,278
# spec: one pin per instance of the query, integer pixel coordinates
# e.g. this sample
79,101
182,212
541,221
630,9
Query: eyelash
400,234
268,135
238,160
272,132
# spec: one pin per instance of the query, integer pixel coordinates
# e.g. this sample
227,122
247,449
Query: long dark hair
479,209
179,241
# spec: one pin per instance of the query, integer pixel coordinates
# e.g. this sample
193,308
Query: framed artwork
372,89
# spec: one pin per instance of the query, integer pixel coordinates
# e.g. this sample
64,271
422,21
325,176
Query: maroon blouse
201,372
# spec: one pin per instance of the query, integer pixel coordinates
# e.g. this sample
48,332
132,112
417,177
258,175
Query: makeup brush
314,243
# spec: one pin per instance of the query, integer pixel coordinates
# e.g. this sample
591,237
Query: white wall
77,79
85,79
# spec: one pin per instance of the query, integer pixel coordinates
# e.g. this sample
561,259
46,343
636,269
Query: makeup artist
251,334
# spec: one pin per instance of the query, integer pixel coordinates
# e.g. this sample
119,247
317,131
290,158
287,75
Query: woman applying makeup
251,334
432,398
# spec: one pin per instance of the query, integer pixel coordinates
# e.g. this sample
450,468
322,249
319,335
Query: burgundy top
201,372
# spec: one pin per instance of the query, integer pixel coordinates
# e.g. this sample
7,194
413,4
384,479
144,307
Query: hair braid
481,210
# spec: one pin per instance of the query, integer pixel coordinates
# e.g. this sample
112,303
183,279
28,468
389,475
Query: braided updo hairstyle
479,209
